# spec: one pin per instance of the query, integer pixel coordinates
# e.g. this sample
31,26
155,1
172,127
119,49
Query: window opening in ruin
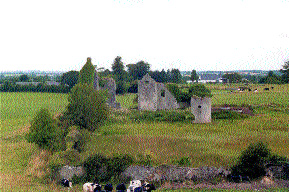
199,106
146,82
163,93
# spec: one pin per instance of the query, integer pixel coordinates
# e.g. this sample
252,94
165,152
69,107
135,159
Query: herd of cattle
135,186
241,89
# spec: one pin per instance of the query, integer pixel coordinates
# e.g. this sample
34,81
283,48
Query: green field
215,144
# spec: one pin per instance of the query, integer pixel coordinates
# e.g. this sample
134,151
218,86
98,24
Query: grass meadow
215,144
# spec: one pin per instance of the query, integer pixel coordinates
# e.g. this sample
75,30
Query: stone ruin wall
201,109
168,101
147,94
154,96
110,86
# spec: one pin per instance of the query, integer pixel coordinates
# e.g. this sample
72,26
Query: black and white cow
91,187
149,187
66,183
133,185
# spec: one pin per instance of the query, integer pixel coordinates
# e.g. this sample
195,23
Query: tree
105,73
119,75
271,78
118,69
23,78
70,78
44,131
176,76
194,76
233,77
285,72
86,107
86,74
138,70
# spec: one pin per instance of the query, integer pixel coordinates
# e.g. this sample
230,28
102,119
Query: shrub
199,90
95,169
184,95
117,164
45,133
101,169
252,161
184,161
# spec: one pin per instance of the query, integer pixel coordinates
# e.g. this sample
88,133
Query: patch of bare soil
240,109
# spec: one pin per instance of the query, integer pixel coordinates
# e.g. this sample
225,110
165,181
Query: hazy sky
59,35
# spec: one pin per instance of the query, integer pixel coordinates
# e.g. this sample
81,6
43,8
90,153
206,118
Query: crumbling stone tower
154,96
110,87
201,109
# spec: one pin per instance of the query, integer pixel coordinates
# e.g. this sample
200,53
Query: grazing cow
266,89
255,90
97,188
120,188
138,189
249,89
272,88
108,187
91,187
148,187
133,184
66,183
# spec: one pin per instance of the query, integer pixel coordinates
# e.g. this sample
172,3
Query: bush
45,133
183,162
77,139
252,161
185,95
101,169
199,90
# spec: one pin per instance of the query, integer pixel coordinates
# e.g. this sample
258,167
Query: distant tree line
126,77
8,86
270,78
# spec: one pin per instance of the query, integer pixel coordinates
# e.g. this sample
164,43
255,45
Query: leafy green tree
45,133
271,78
118,69
24,78
119,75
86,107
285,72
233,77
194,76
138,70
176,76
70,78
86,74
105,73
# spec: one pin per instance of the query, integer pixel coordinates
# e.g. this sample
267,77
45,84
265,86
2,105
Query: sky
223,35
